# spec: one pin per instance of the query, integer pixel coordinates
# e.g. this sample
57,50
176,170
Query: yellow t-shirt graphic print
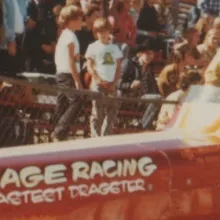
108,59
105,57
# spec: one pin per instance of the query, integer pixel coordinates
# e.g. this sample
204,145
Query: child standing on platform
67,57
103,63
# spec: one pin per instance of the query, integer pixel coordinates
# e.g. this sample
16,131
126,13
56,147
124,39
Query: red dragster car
173,174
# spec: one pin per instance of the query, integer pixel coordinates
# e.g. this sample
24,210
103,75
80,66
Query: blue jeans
104,113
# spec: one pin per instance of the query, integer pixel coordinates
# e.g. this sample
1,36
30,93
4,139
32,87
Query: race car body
173,174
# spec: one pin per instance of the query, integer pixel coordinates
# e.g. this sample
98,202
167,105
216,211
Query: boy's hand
31,24
105,84
108,86
79,86
152,34
12,48
135,84
47,48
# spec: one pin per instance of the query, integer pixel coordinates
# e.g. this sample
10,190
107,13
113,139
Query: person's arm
117,74
23,8
141,19
136,83
31,15
92,71
118,57
90,57
75,73
8,12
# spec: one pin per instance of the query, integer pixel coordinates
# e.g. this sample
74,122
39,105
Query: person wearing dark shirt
148,85
137,76
85,36
149,27
148,19
41,35
130,80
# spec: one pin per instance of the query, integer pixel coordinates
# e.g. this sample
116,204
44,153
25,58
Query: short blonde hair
211,32
70,2
216,24
212,73
101,24
69,13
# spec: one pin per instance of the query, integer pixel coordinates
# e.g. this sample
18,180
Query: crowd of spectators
116,47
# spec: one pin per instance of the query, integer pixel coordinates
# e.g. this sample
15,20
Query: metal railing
27,112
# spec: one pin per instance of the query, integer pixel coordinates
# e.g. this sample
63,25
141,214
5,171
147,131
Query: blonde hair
210,33
70,2
204,24
101,24
216,24
183,49
69,13
171,69
212,73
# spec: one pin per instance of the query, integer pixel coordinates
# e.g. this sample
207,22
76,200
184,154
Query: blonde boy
103,63
67,70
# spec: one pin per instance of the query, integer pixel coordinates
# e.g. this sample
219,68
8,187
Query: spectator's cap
145,46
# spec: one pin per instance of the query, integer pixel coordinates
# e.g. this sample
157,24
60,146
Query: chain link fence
27,108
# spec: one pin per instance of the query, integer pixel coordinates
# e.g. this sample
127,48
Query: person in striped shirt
211,7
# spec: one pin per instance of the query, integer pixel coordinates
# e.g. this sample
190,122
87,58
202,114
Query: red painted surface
166,175
184,185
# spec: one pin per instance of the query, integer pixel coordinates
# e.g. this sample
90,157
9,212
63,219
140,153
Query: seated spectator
212,77
149,28
187,54
14,15
137,75
145,56
85,36
212,73
186,59
168,79
41,36
1,23
134,11
193,17
147,22
209,47
192,113
73,2
184,16
165,17
211,7
114,29
168,111
204,24
56,12
216,24
130,80
192,37
125,31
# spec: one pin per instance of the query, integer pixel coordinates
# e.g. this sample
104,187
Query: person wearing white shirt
67,66
103,63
